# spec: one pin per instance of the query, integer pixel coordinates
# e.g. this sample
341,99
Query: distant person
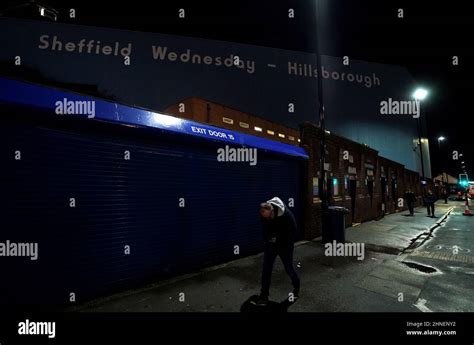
445,195
279,232
430,203
410,198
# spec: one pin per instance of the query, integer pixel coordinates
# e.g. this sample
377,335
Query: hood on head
278,204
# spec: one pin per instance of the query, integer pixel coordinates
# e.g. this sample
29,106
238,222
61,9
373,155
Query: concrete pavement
392,276
397,231
450,251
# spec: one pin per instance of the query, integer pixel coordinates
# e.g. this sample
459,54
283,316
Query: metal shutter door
133,203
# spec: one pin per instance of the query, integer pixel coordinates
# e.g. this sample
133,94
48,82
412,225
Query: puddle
421,268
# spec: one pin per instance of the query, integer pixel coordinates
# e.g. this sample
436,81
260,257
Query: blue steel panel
40,97
127,203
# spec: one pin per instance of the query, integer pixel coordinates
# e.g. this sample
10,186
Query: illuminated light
258,129
270,132
291,138
281,135
441,138
420,94
244,125
334,181
328,132
46,12
299,140
227,120
167,121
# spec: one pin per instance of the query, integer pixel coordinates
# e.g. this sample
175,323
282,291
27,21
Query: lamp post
419,95
440,139
322,126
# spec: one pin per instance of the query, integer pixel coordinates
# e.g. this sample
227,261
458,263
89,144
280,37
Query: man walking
430,201
410,198
279,232
445,195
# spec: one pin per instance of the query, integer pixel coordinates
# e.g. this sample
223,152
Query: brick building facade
367,184
200,110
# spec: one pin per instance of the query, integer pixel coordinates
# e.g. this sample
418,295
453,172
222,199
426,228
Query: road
451,252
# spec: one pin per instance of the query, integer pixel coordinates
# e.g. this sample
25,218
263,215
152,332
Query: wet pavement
409,265
451,251
395,232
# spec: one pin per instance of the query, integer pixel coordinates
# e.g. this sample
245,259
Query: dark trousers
272,250
431,208
411,206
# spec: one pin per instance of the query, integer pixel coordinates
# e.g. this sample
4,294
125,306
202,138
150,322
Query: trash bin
334,224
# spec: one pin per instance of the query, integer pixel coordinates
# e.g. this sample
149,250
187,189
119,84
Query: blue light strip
34,96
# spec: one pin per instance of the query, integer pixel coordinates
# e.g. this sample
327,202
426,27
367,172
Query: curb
427,234
402,251
383,249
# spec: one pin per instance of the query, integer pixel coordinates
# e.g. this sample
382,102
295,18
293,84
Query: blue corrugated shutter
134,203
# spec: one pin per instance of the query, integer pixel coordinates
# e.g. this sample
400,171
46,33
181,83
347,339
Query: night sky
424,41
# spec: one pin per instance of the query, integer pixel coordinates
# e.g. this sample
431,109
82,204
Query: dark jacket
409,197
430,199
282,228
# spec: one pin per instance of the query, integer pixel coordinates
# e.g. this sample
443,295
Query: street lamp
31,10
419,95
322,122
440,139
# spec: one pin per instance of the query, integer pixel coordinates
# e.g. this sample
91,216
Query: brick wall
348,163
364,166
221,116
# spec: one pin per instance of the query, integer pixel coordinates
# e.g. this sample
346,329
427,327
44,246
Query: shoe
261,302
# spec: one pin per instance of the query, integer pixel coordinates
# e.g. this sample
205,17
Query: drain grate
421,268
